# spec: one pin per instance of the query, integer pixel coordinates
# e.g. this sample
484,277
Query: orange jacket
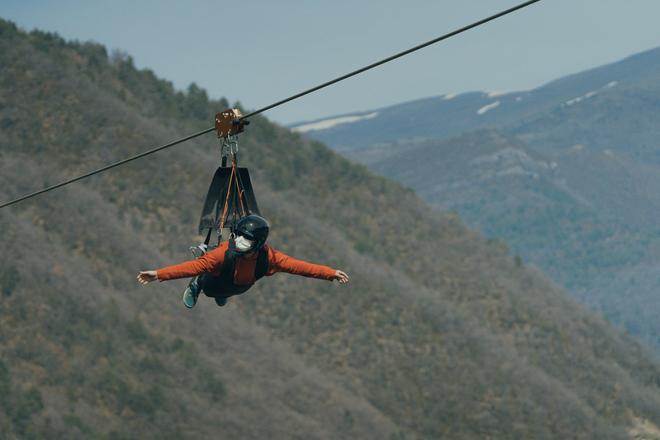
245,266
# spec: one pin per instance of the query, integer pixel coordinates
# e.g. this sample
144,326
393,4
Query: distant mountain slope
553,212
595,107
439,334
489,174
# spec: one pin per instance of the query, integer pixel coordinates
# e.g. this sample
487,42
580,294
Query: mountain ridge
450,115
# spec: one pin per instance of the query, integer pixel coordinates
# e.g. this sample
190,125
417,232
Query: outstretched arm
280,262
205,263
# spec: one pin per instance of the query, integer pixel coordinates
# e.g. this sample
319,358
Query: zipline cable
278,103
393,57
107,167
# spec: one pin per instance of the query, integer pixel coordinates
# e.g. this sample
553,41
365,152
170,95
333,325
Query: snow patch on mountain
449,96
579,98
488,107
332,122
496,93
589,94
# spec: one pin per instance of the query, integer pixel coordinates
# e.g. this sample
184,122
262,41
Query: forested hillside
585,218
440,334
566,174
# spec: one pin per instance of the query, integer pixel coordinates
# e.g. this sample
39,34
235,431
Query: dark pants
209,285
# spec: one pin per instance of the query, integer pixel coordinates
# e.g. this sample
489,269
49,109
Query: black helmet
254,228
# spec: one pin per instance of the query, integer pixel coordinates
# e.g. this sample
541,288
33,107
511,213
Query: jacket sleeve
280,262
206,263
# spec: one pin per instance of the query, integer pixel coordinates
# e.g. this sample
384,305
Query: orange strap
225,209
233,178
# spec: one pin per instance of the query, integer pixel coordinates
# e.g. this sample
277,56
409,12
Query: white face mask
243,244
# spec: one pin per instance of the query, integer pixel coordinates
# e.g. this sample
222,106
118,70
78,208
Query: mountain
440,333
592,107
567,174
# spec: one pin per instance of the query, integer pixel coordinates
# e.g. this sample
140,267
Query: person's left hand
341,276
147,276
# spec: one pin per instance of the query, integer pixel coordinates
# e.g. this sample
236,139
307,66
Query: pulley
229,123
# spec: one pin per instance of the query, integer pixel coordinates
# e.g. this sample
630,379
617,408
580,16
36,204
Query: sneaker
191,294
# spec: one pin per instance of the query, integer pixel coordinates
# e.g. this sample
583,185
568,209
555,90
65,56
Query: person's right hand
341,276
147,276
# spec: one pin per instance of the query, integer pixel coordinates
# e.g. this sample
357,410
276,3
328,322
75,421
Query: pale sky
261,51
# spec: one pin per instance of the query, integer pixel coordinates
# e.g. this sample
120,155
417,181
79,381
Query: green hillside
510,191
585,217
440,334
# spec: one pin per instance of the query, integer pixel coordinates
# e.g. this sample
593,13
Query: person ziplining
235,265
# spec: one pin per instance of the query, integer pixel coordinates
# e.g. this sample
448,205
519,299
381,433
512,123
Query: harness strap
234,180
229,265
225,208
208,237
239,186
262,264
241,192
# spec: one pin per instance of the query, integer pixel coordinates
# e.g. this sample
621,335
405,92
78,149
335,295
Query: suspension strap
234,182
225,208
239,187
207,240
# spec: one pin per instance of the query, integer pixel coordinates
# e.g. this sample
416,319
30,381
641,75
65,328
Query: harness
223,285
230,196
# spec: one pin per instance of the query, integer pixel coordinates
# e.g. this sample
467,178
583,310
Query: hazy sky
261,51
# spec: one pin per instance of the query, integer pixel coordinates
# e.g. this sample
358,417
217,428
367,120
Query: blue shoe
191,294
